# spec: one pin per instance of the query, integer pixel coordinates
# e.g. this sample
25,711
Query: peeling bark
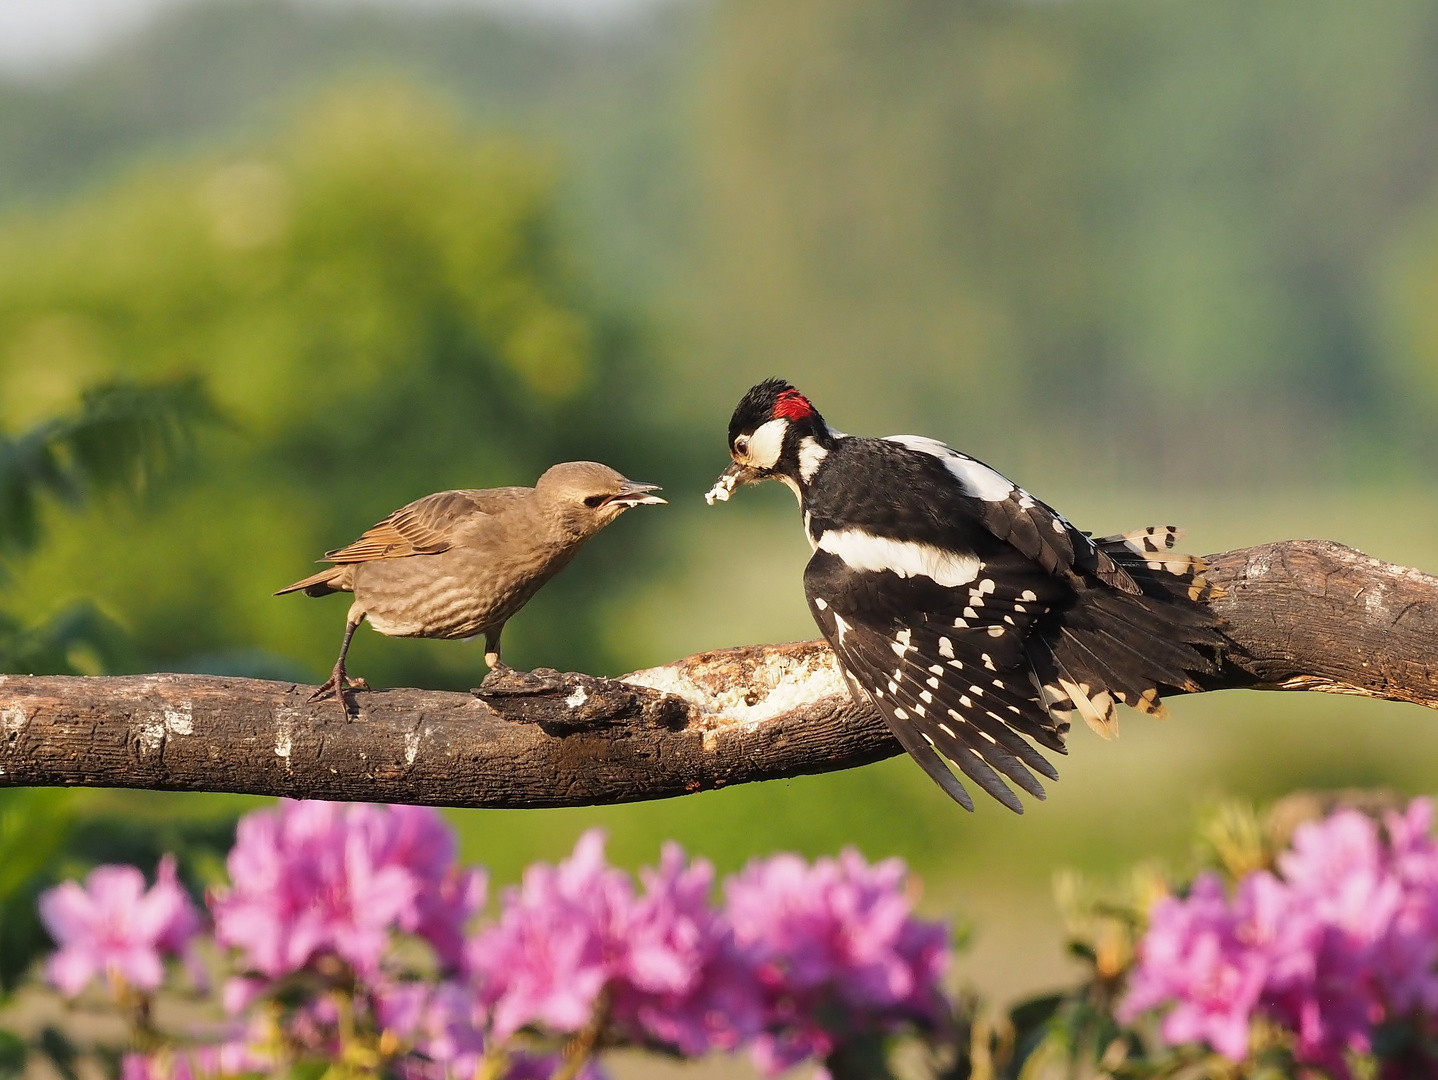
1301,615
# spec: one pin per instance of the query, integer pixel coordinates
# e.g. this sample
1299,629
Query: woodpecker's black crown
772,399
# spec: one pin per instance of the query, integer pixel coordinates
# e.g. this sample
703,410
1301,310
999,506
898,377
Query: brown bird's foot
504,680
336,684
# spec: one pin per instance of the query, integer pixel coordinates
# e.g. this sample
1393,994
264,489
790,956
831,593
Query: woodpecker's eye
594,502
741,445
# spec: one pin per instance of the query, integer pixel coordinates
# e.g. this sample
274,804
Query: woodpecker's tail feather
330,580
1109,647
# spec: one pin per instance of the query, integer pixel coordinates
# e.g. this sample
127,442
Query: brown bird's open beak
634,493
729,479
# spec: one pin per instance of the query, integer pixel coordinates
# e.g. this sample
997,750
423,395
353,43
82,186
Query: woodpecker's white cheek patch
811,456
976,478
864,551
766,444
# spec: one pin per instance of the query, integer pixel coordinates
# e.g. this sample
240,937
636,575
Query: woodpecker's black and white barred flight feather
975,618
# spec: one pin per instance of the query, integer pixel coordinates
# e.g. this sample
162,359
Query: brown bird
456,564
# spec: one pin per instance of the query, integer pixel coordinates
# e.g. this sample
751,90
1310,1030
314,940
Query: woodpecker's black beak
634,493
729,479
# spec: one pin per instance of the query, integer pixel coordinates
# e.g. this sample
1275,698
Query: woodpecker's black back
975,618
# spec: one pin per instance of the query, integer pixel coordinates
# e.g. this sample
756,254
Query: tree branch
1302,615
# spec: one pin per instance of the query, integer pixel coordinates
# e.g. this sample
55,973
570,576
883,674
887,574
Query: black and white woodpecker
974,617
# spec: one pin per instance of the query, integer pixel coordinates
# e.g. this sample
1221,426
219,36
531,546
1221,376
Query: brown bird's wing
426,526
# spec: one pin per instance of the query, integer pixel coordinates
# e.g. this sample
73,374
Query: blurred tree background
1160,261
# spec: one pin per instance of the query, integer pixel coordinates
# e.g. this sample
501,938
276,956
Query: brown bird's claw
336,684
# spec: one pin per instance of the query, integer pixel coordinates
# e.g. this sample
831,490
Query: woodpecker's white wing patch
976,478
1011,513
864,551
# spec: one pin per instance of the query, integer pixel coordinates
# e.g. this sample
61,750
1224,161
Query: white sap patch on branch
578,698
180,721
779,684
284,726
411,746
13,718
151,730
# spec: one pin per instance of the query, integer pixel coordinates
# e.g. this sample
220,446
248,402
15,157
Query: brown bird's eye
595,501
741,445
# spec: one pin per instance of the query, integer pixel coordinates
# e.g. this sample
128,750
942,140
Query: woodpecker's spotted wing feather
1108,647
861,651
1033,527
424,527
946,664
919,749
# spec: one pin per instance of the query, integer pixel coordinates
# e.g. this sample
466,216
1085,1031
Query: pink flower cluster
1342,939
835,949
796,959
665,958
318,878
114,927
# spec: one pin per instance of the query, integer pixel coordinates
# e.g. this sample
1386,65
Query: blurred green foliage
380,306
122,438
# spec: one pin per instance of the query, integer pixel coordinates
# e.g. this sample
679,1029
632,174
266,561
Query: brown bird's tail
330,580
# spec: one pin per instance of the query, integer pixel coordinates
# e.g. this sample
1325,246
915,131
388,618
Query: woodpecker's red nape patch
793,405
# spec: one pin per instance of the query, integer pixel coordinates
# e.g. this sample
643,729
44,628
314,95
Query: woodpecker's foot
336,684
504,680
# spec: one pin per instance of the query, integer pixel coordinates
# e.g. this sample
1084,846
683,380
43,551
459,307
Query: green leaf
56,1046
12,1055
123,436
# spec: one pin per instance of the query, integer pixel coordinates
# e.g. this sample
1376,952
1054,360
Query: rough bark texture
1302,615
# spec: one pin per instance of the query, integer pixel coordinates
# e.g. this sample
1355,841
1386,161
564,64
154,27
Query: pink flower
417,839
681,979
196,1063
837,951
315,878
530,1066
557,942
1194,957
666,959
442,1022
1346,939
116,928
